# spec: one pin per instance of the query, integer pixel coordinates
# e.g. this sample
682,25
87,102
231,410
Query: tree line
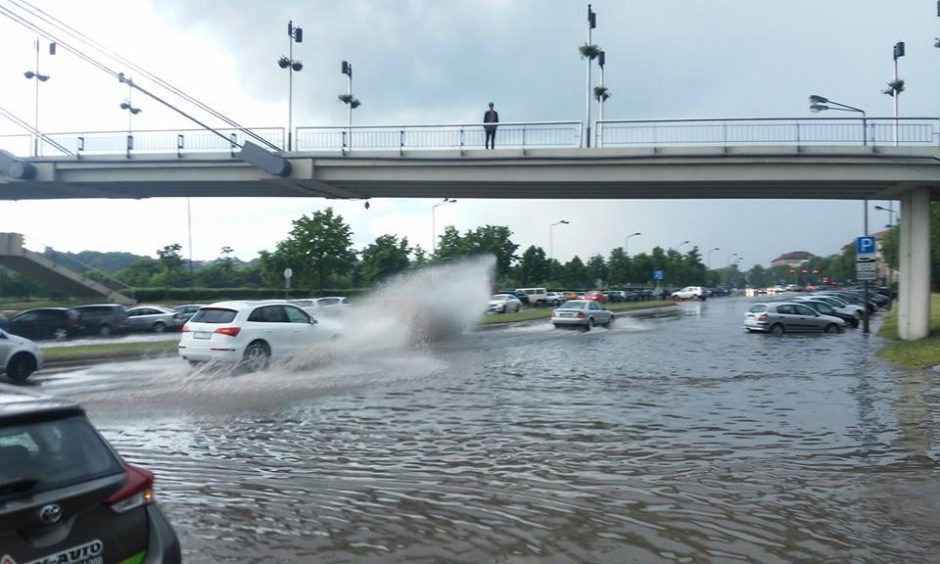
320,252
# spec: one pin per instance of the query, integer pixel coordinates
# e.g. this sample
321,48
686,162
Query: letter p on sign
865,246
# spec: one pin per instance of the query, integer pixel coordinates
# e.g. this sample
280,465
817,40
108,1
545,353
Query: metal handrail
439,125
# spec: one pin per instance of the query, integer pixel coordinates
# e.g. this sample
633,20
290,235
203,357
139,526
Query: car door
786,314
25,325
270,323
304,331
808,318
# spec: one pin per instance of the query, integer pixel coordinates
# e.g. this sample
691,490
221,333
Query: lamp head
29,74
814,99
283,62
816,108
564,221
296,65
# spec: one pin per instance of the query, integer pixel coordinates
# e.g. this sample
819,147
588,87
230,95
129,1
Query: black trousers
490,142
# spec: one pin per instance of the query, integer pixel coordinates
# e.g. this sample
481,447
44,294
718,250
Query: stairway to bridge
53,275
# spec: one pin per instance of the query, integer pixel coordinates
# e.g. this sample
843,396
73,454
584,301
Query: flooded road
676,439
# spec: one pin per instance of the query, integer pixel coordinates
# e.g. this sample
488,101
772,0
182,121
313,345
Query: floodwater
670,439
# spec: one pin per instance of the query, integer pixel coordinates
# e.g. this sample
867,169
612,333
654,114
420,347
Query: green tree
487,239
576,274
596,270
173,274
385,257
318,247
534,267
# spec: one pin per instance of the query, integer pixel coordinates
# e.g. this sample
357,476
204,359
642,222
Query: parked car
251,334
504,303
555,298
532,296
45,323
187,311
840,304
583,314
690,293
785,317
67,496
331,305
19,358
101,319
826,309
596,295
153,318
615,296
3,322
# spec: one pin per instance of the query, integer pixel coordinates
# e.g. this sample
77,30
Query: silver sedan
583,314
780,318
154,318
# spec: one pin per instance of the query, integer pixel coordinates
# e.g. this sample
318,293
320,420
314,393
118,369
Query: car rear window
214,315
53,454
757,308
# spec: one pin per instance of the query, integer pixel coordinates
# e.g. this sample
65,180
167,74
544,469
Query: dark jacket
491,116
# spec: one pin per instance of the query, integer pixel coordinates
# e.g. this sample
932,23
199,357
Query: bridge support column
914,291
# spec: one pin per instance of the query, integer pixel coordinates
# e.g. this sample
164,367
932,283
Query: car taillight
763,317
136,492
580,315
230,331
186,328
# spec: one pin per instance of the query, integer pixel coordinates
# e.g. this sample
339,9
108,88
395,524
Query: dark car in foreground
66,495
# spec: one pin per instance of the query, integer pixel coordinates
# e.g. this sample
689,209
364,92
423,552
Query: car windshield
41,456
500,298
757,308
574,304
214,315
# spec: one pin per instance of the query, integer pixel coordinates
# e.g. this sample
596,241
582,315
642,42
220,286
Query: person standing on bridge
490,117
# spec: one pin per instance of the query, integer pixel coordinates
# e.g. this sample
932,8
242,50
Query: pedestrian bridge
828,158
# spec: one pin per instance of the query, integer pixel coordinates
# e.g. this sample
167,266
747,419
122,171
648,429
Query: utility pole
896,88
35,74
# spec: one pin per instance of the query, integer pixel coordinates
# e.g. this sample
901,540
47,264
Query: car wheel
60,334
257,356
556,326
159,327
777,329
518,307
20,367
832,328
610,322
105,331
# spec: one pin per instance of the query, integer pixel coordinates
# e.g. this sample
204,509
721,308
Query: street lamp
627,241
679,246
31,74
296,35
434,222
551,239
731,256
821,103
891,217
710,256
351,101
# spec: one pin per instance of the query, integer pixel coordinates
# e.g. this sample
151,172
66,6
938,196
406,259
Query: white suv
19,357
690,293
250,334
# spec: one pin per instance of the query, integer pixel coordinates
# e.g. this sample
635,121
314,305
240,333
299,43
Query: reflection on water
665,439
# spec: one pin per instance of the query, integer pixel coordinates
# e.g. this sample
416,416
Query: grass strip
109,350
545,313
914,354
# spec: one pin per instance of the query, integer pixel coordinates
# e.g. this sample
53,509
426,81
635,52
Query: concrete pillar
914,291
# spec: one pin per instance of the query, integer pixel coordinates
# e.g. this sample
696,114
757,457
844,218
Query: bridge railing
144,142
768,132
513,135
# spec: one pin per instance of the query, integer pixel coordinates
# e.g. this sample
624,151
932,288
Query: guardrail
512,135
768,132
144,142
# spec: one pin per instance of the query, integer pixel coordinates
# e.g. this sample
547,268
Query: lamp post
679,246
551,238
821,103
351,101
627,241
296,35
35,74
434,222
592,23
896,86
731,256
893,213
710,256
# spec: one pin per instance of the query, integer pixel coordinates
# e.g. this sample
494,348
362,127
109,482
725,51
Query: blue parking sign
658,274
865,246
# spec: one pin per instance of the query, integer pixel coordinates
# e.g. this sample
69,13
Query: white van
533,296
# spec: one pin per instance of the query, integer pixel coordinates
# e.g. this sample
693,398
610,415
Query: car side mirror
313,321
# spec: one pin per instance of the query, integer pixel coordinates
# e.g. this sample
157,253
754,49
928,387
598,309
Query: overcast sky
441,61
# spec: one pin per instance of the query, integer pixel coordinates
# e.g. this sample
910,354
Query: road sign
658,274
288,273
865,247
866,271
